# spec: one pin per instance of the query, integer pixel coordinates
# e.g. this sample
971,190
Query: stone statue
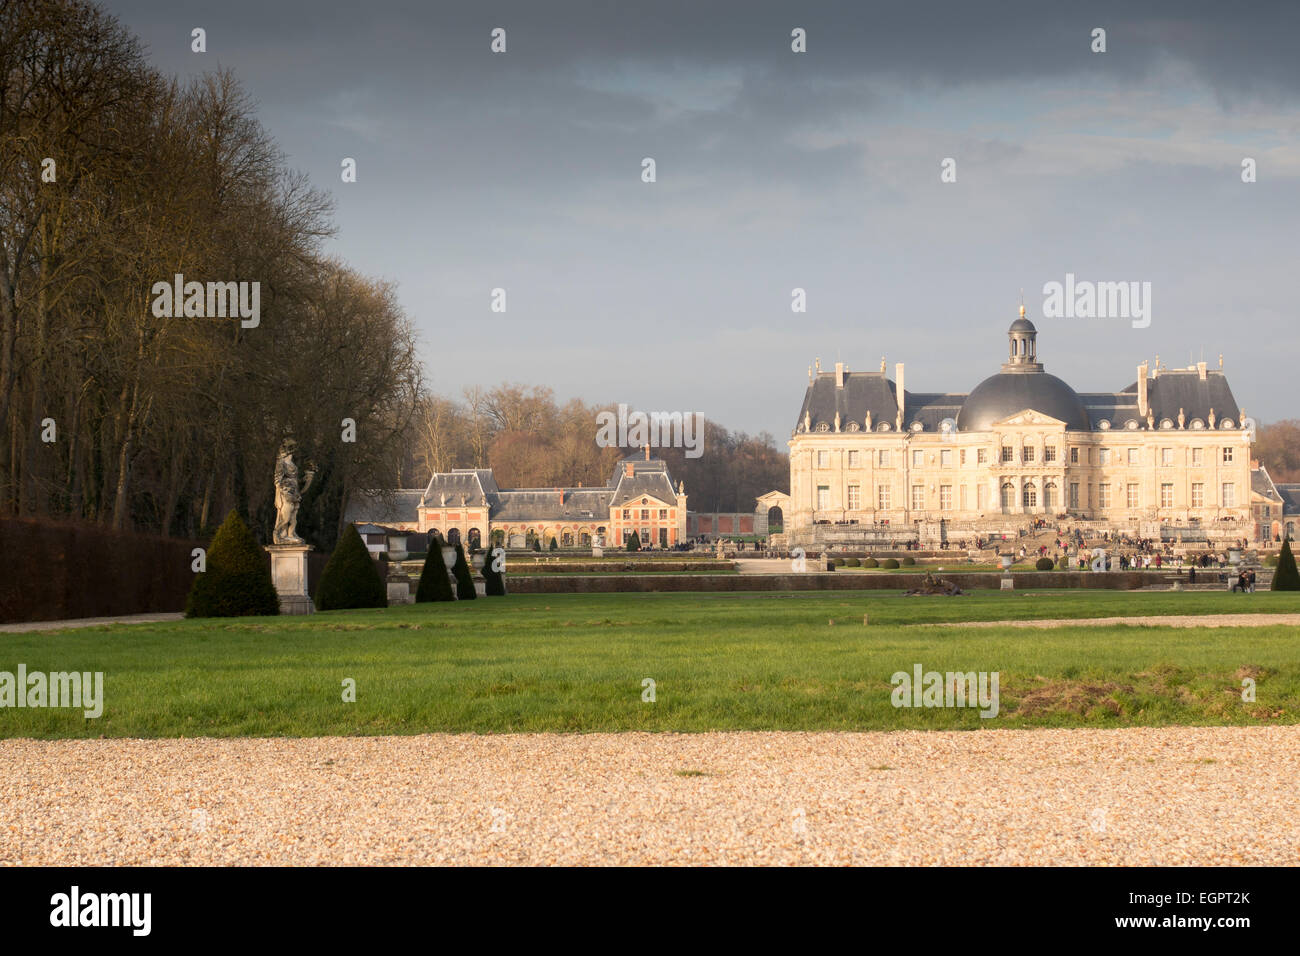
1182,419
1211,418
1151,419
288,494
868,419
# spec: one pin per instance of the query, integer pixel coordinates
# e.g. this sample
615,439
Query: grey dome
1022,325
1006,393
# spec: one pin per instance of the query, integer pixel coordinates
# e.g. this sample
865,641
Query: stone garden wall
969,581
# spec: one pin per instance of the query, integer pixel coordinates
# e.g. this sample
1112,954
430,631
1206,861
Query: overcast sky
778,170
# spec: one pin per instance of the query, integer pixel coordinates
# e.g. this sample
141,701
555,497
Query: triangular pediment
1027,416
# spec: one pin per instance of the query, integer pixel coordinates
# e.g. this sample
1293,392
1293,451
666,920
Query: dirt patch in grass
1072,696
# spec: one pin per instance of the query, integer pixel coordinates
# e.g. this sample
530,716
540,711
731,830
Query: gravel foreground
1142,796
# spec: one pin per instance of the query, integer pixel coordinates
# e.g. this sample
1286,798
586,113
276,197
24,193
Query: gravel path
1167,620
1145,796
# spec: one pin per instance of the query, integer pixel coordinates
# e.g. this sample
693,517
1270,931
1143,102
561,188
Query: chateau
466,505
869,461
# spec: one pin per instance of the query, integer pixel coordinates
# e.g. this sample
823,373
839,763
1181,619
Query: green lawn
720,662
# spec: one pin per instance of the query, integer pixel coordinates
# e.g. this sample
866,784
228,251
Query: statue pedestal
289,573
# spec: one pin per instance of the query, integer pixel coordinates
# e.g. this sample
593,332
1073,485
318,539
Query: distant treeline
1278,449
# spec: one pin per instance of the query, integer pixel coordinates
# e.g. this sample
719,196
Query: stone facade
467,505
1169,452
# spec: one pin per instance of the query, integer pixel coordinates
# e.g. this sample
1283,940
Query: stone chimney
839,374
1142,390
647,452
898,384
627,469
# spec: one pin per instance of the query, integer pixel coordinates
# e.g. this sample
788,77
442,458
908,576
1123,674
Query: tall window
961,459
1008,453
1166,495
645,514
1074,456
918,497
945,458
884,458
1227,454
981,456
855,497
1229,492
882,497
663,514
1131,495
1166,456
1008,496
1029,453
918,458
1132,456
1049,453
1197,458
823,497
1030,495
823,459
1103,456
1103,496
1074,496
853,459
1198,494
981,496
945,497
1051,498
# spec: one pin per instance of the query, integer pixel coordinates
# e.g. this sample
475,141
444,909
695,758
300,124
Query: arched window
1008,497
1031,495
1050,497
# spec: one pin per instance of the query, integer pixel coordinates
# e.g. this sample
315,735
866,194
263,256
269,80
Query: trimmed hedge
57,570
494,582
464,577
237,582
909,561
1044,564
889,564
1286,577
871,563
434,584
351,578
853,563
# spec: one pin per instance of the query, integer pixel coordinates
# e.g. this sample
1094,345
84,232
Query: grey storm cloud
776,170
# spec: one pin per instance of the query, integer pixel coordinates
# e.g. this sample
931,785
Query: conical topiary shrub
237,580
464,577
633,542
1286,577
434,584
350,578
494,581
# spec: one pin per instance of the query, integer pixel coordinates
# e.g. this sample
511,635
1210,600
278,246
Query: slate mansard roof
1010,391
477,487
